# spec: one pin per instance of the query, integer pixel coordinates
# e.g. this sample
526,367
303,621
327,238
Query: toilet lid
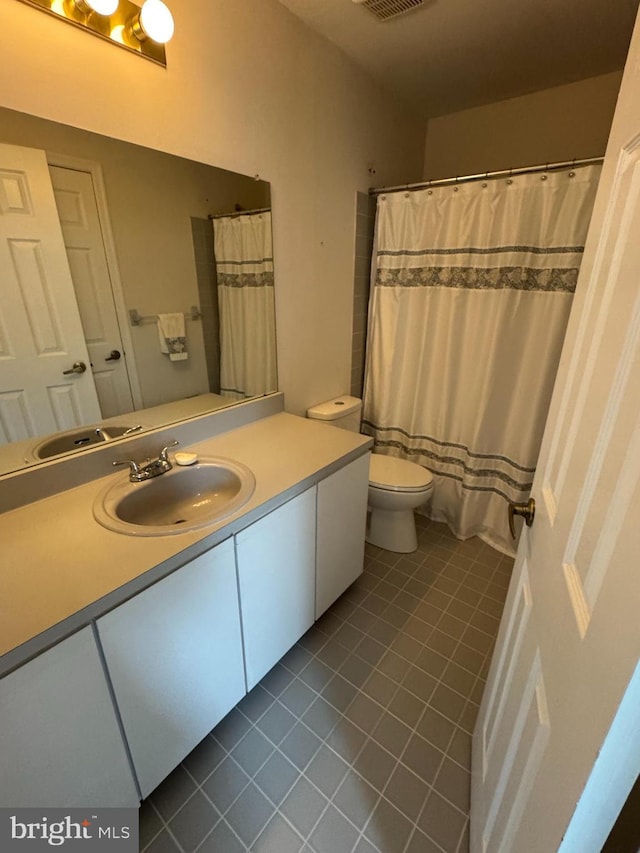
397,475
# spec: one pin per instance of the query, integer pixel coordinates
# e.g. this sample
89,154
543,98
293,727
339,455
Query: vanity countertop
60,568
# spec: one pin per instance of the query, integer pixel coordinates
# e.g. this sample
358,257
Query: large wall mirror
137,289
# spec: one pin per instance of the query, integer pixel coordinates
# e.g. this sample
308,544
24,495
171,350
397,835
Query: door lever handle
114,355
78,367
527,511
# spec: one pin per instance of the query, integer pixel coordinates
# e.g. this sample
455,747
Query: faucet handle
134,468
163,453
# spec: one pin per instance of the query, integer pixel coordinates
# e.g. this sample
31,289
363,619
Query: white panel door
276,573
569,641
82,234
174,654
59,737
40,329
342,520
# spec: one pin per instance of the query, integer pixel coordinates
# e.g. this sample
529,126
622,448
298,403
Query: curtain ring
509,179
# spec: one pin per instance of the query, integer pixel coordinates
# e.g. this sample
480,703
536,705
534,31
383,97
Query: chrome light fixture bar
140,30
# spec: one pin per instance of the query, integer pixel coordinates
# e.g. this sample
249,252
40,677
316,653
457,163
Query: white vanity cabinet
174,655
341,524
60,743
276,575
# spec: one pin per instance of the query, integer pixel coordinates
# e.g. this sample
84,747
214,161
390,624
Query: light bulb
156,21
103,7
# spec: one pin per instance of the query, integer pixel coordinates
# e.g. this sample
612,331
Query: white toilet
396,486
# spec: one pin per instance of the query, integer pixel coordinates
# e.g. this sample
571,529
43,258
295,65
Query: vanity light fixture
142,30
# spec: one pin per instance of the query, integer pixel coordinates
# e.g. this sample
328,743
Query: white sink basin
183,499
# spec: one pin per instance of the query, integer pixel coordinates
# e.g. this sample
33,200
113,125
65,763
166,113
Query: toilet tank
343,412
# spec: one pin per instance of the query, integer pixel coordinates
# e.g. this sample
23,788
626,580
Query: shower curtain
472,287
244,267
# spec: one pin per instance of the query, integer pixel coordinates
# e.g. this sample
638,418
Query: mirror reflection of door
82,233
41,333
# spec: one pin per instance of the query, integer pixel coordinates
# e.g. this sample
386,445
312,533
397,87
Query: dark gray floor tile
276,777
363,619
364,846
276,723
296,659
194,821
356,799
406,791
249,814
441,643
468,658
468,717
321,717
333,832
222,840
172,794
255,703
163,843
356,670
225,783
204,759
370,650
277,837
316,675
449,703
313,640
388,828
346,739
382,631
339,692
435,728
442,822
453,783
149,824
392,734
300,745
459,679
380,688
393,666
407,647
375,764
232,729
328,623
297,697
423,758
460,748
326,770
252,751
333,655
277,679
432,662
364,712
303,806
420,683
419,843
406,707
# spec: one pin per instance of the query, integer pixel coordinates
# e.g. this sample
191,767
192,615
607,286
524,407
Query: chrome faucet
103,435
153,468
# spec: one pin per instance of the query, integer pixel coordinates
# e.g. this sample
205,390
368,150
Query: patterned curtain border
556,280
498,474
245,279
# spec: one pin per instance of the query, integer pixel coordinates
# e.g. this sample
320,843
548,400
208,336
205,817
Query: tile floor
359,740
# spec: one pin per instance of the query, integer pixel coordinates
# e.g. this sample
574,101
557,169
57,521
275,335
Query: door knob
527,511
114,355
78,367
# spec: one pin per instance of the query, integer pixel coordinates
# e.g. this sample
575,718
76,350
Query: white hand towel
173,336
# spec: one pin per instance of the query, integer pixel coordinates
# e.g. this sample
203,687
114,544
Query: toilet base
393,530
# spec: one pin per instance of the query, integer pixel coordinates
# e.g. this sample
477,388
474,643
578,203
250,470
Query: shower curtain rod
238,213
502,173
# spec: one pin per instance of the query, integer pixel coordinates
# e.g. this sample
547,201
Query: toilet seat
398,475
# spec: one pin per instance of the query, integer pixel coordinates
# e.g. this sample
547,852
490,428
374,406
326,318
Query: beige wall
250,89
562,123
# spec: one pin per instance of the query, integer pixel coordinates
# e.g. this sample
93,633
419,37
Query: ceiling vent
384,10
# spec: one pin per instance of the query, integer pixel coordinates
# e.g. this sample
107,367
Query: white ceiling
453,54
